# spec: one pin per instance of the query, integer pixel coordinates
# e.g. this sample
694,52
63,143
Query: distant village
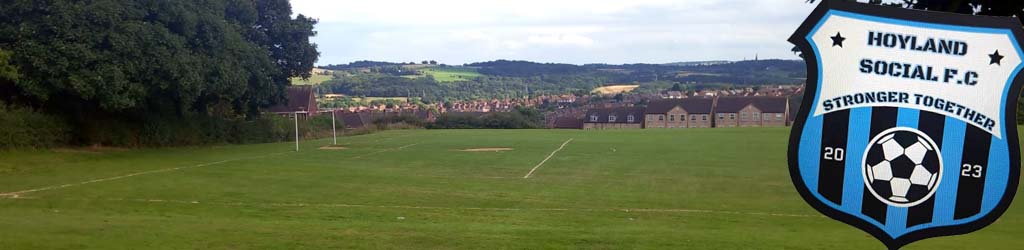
762,106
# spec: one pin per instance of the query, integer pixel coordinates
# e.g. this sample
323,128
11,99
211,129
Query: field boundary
17,194
527,176
343,205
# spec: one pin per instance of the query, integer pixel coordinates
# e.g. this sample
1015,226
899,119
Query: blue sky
561,31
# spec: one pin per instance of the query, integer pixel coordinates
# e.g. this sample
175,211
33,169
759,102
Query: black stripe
931,124
882,118
830,174
970,189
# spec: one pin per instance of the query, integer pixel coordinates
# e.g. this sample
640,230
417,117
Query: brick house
679,113
614,118
751,112
301,101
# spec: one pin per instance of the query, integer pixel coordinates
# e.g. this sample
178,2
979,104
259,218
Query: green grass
313,80
449,74
413,190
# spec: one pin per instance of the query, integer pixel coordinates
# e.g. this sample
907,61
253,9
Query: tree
8,72
8,75
432,62
130,58
676,87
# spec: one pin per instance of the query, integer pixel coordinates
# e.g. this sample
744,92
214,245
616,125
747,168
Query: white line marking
547,158
16,194
342,205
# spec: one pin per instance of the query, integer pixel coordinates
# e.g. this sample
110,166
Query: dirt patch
333,147
486,149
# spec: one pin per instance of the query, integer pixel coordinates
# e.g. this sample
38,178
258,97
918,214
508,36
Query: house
301,101
679,113
674,95
614,118
751,112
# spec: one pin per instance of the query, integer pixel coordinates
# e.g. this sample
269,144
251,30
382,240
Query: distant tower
755,56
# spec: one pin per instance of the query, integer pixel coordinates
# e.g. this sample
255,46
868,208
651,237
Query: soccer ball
902,167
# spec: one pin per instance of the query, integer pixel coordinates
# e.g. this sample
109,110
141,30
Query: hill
504,78
447,74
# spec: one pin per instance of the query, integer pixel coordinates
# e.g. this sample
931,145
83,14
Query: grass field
313,80
417,189
449,74
614,89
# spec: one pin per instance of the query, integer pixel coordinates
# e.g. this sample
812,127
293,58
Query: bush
200,130
26,128
406,121
521,118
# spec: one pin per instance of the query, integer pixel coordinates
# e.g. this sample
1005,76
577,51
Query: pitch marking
342,205
547,158
386,150
16,194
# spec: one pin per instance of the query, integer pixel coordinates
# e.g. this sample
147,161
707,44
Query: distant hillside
697,63
507,78
525,68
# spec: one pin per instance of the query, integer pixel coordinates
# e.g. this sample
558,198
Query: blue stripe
856,144
810,153
896,217
952,153
995,179
908,118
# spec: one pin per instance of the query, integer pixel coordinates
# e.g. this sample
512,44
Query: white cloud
571,31
561,40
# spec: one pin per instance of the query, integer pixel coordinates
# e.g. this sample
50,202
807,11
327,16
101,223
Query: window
630,118
611,118
721,116
778,117
704,117
732,116
593,118
693,117
757,116
671,117
661,117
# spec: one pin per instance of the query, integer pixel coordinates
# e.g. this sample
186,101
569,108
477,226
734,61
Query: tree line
134,62
517,79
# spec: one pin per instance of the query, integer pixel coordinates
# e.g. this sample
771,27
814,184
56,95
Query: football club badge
908,126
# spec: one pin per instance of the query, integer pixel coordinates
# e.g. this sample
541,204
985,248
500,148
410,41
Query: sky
558,31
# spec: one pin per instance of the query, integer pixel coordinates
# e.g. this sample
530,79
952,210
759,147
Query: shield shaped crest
907,129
